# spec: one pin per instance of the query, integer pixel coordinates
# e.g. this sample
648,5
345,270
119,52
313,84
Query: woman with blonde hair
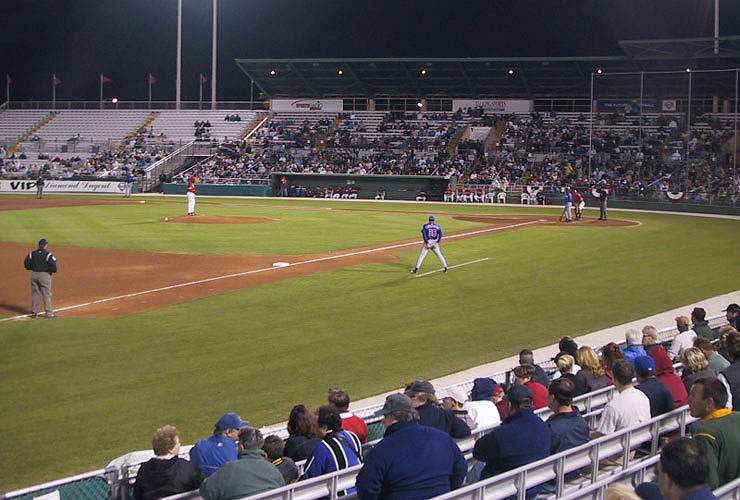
592,374
565,363
695,366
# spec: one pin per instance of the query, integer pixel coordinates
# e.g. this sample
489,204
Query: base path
96,282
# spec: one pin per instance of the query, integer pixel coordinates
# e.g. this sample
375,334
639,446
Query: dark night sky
127,39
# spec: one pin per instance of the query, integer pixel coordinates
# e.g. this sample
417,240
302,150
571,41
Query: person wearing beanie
481,407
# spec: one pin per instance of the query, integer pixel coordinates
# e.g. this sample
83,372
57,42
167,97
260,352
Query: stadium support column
734,141
178,75
213,55
688,134
590,126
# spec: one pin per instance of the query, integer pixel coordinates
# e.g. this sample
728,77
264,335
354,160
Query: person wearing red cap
191,196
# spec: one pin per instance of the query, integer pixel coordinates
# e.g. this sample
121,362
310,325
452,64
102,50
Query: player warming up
432,235
191,196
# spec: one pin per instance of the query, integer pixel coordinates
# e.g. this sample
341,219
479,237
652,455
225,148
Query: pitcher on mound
432,235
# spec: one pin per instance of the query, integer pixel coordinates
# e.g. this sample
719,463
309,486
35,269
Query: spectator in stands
338,449
627,408
661,399
209,454
302,433
412,461
481,407
730,376
565,362
724,332
683,340
695,365
649,337
683,473
666,374
339,399
521,438
165,474
634,347
274,448
719,431
611,353
592,375
525,375
700,325
421,393
249,475
715,360
452,400
568,428
732,313
526,357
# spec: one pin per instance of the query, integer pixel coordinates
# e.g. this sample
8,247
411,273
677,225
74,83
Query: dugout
397,187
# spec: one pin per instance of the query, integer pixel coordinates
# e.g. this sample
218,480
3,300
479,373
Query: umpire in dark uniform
42,265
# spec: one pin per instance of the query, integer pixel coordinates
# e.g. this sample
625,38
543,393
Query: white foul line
265,269
452,267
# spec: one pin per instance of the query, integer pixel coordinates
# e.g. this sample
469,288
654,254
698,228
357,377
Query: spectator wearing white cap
453,399
422,395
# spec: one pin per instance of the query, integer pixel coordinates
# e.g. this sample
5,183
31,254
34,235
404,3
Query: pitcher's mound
216,219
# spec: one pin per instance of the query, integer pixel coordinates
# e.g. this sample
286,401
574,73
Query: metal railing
169,105
99,484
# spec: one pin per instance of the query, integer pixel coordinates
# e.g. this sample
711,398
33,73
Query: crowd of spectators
418,457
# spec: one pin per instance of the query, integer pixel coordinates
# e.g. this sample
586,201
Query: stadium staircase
259,120
322,142
30,133
495,136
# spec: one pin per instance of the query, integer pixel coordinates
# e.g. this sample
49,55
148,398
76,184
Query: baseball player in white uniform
432,234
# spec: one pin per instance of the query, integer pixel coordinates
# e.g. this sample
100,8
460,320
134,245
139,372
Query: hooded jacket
159,478
666,374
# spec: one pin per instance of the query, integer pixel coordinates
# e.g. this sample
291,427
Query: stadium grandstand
657,127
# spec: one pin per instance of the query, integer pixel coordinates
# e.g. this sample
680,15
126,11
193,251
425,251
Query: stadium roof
526,77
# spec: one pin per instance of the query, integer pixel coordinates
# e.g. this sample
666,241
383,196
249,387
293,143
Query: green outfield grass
78,392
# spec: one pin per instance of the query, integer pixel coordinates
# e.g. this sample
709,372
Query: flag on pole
152,79
203,79
105,79
55,81
8,80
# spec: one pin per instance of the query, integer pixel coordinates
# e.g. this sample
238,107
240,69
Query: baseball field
178,321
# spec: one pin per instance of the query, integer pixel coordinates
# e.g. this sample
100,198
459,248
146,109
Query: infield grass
98,388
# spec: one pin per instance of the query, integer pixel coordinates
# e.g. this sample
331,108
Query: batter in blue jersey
432,234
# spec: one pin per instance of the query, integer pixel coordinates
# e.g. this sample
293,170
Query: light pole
213,55
716,26
178,75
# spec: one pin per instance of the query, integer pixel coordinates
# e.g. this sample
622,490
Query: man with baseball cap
432,234
210,454
412,461
421,393
42,265
660,397
732,313
521,438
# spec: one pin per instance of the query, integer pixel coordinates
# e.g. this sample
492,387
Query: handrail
729,491
107,473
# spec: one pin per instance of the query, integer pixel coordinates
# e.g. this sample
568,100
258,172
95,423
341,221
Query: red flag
105,79
152,79
203,79
56,81
8,79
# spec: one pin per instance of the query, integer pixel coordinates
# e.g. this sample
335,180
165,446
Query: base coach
42,265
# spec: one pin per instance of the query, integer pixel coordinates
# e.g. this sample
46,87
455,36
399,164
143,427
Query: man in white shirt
683,340
626,409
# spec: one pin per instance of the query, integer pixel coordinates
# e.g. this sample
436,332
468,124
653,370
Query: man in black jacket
425,403
42,265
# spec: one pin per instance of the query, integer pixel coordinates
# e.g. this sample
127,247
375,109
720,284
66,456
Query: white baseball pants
423,254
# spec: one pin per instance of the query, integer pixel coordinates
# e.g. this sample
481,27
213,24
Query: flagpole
101,90
53,91
178,76
150,90
7,88
200,98
213,55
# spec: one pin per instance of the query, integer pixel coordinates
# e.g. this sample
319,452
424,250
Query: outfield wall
55,186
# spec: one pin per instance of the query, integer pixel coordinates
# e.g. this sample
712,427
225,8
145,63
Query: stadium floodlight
688,70
599,71
510,72
419,104
114,100
340,72
272,72
423,72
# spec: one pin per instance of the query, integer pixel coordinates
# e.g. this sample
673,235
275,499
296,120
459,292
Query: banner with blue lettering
629,106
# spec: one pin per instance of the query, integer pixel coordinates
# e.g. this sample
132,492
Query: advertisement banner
669,105
629,106
495,105
54,186
305,105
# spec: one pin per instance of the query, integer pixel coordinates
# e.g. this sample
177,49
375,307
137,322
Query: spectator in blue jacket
634,347
339,449
568,428
412,461
422,395
209,454
521,438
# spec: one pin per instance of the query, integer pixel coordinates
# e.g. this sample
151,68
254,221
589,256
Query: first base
280,264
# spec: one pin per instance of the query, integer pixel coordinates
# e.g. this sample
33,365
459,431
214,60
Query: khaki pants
41,287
